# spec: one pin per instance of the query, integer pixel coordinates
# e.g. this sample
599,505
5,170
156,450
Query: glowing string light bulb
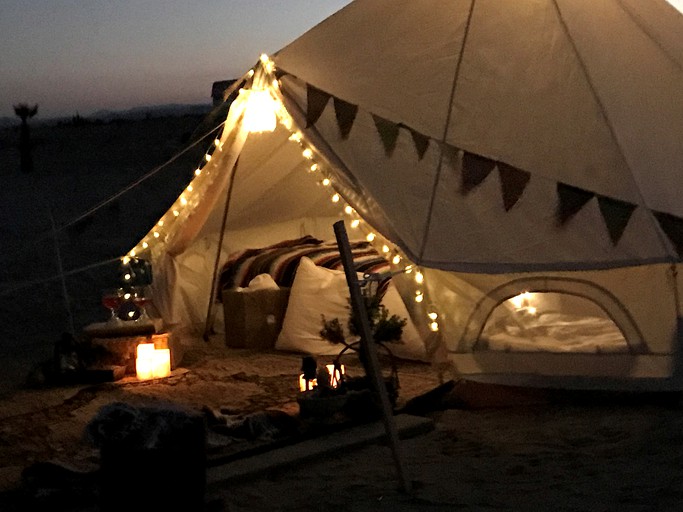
286,122
419,278
314,167
355,223
396,259
207,157
308,153
268,64
336,198
370,237
197,172
419,297
326,182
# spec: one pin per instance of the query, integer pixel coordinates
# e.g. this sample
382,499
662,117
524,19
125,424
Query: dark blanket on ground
281,260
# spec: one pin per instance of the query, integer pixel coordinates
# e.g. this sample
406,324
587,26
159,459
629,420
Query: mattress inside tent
578,326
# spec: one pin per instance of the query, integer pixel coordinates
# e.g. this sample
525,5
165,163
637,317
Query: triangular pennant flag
616,215
475,169
279,73
421,142
449,155
316,102
673,228
513,181
572,199
346,115
388,131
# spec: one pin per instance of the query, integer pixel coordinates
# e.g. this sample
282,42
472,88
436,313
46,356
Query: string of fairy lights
263,107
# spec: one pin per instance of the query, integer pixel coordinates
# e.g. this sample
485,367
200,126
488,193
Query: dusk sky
80,56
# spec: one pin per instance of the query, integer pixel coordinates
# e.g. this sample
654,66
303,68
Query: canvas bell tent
520,164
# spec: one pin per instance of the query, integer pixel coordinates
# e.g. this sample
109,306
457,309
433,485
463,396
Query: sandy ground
599,455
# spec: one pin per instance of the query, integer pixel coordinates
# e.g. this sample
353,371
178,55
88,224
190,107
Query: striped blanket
281,260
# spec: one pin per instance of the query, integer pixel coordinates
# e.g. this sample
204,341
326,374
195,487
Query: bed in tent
518,164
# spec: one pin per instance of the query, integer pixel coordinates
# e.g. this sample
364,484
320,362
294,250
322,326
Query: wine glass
111,299
140,298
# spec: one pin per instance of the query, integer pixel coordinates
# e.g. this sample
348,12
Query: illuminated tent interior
519,164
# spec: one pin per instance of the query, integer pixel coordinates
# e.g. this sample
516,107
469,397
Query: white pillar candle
162,362
144,361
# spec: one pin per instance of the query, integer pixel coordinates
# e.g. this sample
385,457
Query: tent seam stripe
642,27
437,178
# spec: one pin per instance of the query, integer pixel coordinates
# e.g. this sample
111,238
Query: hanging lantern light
260,112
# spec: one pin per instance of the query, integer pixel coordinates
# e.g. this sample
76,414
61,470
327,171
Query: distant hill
137,113
146,112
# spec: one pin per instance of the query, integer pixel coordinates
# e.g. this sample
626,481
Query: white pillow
320,291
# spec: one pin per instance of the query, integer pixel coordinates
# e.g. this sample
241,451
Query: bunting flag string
279,73
450,155
316,101
421,142
673,229
346,114
388,132
513,181
571,200
616,215
476,168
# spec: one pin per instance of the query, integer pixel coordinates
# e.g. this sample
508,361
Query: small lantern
260,113
306,384
336,374
336,377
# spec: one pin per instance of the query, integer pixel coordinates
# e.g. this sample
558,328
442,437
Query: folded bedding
280,261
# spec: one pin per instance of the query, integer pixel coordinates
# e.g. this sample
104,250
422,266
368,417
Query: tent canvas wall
502,147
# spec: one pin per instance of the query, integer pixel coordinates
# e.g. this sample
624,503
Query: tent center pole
208,327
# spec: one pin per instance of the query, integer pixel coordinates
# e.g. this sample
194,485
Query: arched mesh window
551,322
